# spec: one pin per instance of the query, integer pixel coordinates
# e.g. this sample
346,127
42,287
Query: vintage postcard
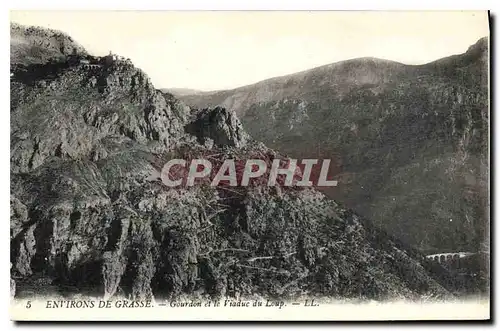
252,166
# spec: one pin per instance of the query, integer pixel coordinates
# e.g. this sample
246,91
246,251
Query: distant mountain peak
85,139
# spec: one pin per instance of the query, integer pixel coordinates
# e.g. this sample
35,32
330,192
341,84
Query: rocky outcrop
88,218
85,111
31,44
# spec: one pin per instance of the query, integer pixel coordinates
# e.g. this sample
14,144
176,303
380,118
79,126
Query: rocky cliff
89,216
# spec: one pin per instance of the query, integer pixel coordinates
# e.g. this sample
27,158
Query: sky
222,50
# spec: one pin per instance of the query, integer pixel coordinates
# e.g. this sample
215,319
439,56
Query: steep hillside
89,215
410,142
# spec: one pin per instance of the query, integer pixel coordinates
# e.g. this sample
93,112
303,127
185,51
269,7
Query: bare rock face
12,288
85,218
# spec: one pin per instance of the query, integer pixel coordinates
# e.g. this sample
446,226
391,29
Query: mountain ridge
32,44
382,123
